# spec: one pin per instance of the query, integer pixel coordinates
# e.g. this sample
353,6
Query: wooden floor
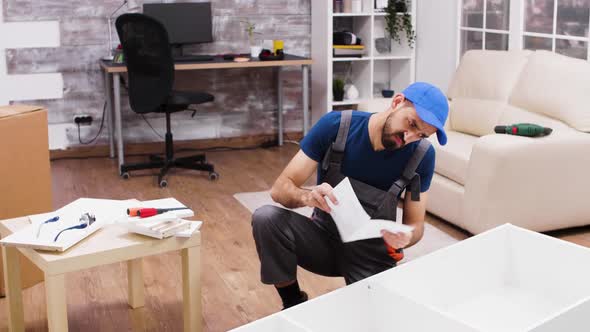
232,292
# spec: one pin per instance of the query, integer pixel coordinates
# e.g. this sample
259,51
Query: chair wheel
163,183
213,176
125,175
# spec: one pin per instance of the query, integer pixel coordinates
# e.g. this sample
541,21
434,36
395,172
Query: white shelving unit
374,71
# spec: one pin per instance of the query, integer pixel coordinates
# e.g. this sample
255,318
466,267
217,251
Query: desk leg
135,282
280,103
305,73
57,314
191,288
16,320
118,130
108,92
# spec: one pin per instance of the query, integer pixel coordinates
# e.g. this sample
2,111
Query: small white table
109,245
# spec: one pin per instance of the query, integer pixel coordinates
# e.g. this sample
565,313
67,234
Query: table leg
191,288
16,320
108,91
118,125
135,282
305,73
280,103
57,315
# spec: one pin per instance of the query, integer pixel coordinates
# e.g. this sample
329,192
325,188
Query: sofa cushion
475,116
557,86
452,159
487,74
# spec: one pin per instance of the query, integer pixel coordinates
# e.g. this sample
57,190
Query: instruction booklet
351,219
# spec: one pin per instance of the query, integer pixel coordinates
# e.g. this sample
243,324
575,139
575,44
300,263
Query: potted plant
251,30
395,24
338,89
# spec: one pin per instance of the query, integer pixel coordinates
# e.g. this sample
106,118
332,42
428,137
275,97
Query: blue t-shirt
361,162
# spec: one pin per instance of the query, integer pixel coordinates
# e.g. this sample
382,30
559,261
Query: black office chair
150,67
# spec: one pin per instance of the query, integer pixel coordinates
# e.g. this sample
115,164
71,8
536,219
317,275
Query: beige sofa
484,179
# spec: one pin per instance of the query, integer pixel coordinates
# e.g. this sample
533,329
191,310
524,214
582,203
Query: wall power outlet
83,119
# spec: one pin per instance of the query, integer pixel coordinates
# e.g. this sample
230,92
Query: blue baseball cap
431,105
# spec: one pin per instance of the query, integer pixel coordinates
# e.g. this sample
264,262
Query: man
381,154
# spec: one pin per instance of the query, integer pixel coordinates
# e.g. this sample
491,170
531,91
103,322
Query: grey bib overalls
377,203
286,239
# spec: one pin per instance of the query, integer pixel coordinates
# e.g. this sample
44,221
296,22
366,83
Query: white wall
436,53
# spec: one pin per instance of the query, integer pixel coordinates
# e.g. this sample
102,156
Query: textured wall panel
246,100
27,34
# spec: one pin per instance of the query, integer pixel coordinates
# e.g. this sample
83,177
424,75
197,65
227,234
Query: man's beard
388,137
390,143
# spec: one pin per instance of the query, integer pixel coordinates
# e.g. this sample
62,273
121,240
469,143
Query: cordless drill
523,129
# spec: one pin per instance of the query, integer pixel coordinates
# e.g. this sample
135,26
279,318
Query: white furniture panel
505,279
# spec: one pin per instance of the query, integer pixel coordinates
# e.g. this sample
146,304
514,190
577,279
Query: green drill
523,129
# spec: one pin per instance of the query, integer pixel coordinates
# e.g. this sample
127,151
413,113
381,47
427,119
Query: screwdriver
148,212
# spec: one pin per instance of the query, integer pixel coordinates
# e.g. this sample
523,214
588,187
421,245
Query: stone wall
246,101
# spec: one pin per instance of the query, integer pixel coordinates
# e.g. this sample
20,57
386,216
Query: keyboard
193,58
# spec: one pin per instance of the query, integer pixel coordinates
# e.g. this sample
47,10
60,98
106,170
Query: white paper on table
144,225
195,225
351,219
106,212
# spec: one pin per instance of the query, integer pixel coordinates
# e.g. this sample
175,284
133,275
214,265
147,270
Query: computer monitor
186,23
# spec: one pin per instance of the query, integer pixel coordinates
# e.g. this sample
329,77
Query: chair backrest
148,56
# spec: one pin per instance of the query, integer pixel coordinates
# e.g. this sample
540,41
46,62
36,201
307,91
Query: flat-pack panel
505,279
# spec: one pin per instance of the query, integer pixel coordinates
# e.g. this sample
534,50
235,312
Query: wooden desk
109,245
113,95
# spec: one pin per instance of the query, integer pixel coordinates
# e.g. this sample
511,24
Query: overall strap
409,176
335,152
340,142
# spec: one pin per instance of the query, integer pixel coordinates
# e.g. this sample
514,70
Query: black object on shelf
400,6
387,93
268,55
345,38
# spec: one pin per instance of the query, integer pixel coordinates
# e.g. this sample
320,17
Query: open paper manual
351,219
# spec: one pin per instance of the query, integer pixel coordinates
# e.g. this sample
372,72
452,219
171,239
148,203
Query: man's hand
397,240
316,197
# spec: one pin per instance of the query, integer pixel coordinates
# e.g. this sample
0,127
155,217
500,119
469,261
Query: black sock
291,295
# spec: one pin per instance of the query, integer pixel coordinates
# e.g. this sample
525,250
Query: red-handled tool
396,254
149,212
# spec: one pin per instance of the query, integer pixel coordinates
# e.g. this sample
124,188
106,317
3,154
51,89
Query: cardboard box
507,279
25,173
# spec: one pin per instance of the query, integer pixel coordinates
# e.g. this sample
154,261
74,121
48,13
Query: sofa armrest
538,183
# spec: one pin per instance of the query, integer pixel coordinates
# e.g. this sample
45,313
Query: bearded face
392,136
403,126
